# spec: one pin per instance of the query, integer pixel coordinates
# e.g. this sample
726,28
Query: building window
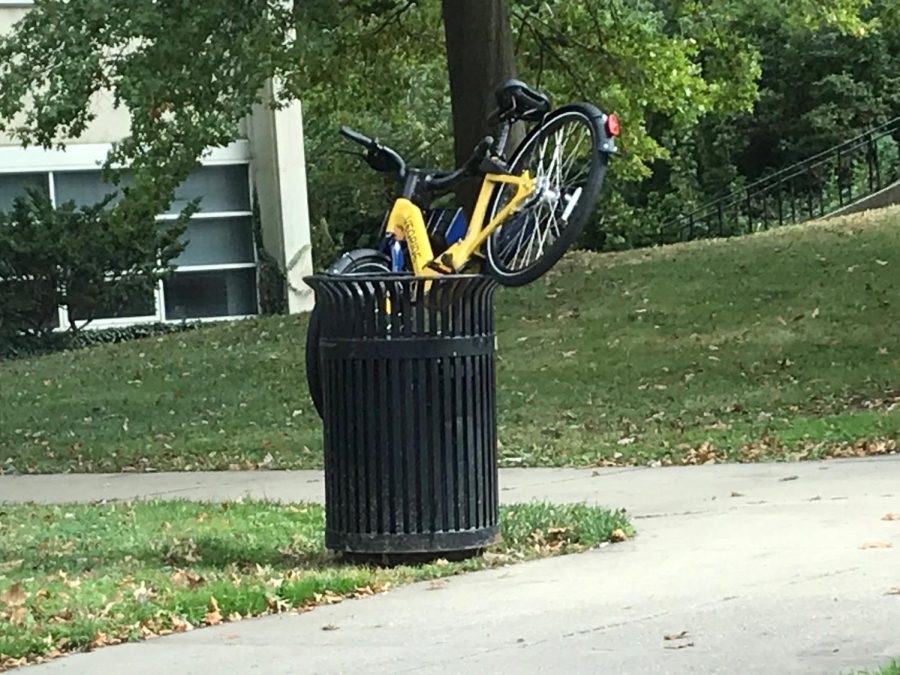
16,185
215,274
191,295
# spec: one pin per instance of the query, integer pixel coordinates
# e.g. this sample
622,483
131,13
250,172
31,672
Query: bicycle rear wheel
361,261
565,157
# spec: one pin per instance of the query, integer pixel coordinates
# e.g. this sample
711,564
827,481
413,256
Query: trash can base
395,559
411,547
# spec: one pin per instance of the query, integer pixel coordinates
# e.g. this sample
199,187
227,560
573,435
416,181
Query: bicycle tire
591,119
360,261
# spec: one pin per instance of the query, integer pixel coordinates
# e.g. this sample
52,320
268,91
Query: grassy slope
792,334
766,346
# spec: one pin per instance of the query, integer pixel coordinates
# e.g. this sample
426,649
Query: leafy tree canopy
188,71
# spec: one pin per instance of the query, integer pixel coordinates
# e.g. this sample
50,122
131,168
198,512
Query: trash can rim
395,276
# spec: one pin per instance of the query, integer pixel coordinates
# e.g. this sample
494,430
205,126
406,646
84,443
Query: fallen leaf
441,562
99,640
894,591
676,636
618,535
180,625
147,630
496,558
213,615
788,478
737,494
182,578
142,594
235,616
14,596
329,626
330,598
877,544
18,616
10,564
891,516
437,584
680,645
718,426
277,605
704,454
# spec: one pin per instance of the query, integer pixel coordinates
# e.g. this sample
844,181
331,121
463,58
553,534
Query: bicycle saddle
517,100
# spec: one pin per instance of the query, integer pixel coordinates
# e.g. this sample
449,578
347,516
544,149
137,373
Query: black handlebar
382,158
446,181
379,157
356,137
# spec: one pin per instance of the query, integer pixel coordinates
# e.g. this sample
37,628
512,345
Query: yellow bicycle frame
406,223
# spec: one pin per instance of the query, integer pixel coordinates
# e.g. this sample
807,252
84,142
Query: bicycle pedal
438,267
444,265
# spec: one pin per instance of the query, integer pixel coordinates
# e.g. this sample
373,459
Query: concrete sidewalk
766,567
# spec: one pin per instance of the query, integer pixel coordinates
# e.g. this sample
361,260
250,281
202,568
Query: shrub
88,258
25,345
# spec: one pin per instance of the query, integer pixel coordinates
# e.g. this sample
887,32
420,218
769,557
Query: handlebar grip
479,153
356,137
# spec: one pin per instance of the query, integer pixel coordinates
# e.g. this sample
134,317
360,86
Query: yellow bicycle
529,211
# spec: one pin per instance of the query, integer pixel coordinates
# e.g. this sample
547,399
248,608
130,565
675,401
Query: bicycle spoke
575,156
562,161
535,234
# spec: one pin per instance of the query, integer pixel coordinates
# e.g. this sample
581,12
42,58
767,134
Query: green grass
73,577
773,346
893,668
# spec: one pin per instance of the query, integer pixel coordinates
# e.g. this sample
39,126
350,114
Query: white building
216,274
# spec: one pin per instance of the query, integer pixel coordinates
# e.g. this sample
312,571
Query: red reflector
612,125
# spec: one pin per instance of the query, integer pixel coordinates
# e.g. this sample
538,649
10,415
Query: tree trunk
480,56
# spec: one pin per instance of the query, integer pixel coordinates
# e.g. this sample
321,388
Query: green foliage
325,250
187,72
386,77
272,281
81,257
818,87
666,66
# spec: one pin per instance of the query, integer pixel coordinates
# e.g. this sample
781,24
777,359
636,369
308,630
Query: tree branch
395,16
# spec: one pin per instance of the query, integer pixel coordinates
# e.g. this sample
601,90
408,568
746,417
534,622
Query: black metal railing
813,188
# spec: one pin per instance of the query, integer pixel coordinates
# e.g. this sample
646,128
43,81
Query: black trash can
409,415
